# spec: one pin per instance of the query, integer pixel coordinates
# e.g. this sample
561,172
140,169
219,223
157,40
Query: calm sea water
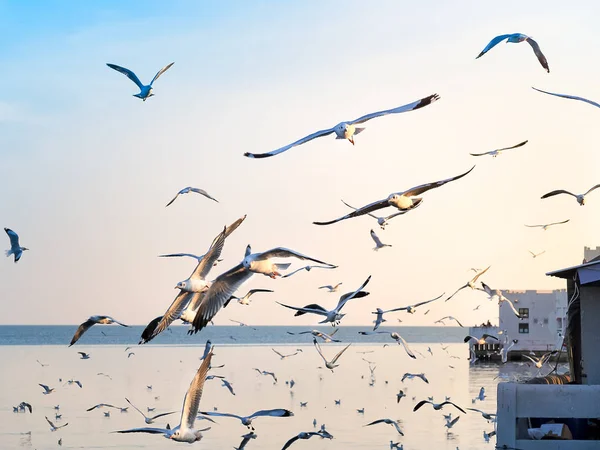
30,356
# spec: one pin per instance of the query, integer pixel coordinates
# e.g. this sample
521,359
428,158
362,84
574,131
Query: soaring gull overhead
516,38
571,97
247,420
496,152
192,189
382,221
145,90
15,248
378,243
471,283
579,197
347,130
404,201
547,225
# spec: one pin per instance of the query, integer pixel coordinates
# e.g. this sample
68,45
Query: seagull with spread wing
382,221
579,197
450,318
189,189
437,406
347,130
501,298
495,153
394,423
247,420
470,284
395,336
306,435
54,427
316,333
403,201
410,376
93,320
262,262
284,356
267,373
245,300
15,248
308,269
335,315
378,243
149,420
331,288
547,225
485,339
516,38
571,97
145,90
535,255
330,364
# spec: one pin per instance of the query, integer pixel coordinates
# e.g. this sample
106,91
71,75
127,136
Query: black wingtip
257,155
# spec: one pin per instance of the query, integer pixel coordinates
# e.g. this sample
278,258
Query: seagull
572,97
93,320
437,406
535,255
470,283
485,415
247,420
382,221
580,197
326,337
145,91
245,300
547,225
333,316
331,288
54,427
41,364
394,423
450,423
396,445
400,395
47,390
378,243
15,248
245,439
77,382
184,432
501,298
241,324
338,402
410,376
489,435
404,201
103,405
450,318
308,269
505,349
84,355
347,130
485,339
227,384
539,362
411,309
24,405
150,420
106,413
395,336
284,356
330,364
481,395
516,38
130,354
361,410
207,349
303,404
264,372
189,189
261,262
302,435
495,153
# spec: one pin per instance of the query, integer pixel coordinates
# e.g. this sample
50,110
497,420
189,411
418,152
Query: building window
524,328
524,313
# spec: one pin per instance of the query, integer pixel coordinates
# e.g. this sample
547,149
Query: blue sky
88,168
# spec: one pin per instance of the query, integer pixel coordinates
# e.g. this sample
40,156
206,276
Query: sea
157,375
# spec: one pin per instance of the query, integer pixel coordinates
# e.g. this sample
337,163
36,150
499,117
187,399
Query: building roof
589,273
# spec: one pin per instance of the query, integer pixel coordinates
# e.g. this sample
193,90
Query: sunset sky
87,169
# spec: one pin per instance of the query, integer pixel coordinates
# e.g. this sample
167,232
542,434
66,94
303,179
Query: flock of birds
199,299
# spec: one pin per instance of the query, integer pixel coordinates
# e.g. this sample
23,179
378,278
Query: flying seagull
333,316
330,364
266,373
437,406
192,189
184,432
516,38
572,97
501,298
247,420
93,320
378,243
47,390
410,376
54,427
331,288
15,248
347,130
506,348
147,419
450,318
326,337
547,225
487,416
242,324
404,201
245,439
381,221
145,91
84,355
245,300
411,309
304,435
470,283
262,262
308,269
485,339
496,152
284,356
535,255
580,197
394,423
539,362
395,336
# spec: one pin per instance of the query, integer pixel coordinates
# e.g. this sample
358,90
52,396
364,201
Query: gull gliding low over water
395,336
192,189
403,201
247,420
330,364
495,153
571,97
347,130
15,248
579,197
184,432
145,90
517,38
394,423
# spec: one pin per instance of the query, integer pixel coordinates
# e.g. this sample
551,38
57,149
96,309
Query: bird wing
174,312
572,97
521,144
279,412
487,289
50,422
459,324
14,238
558,223
476,410
308,309
356,294
375,422
318,347
558,191
530,358
482,154
327,286
592,189
211,256
148,331
426,187
305,139
147,430
538,52
192,398
455,405
203,192
82,329
336,357
174,198
352,207
281,252
128,73
254,291
397,427
278,353
160,72
457,291
406,347
476,277
219,292
219,414
375,238
400,109
428,301
136,408
290,442
100,405
191,255
359,212
504,299
162,414
421,403
493,43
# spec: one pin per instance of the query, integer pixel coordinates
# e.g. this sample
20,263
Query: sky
87,168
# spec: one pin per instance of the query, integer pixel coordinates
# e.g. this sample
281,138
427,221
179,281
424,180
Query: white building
543,318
